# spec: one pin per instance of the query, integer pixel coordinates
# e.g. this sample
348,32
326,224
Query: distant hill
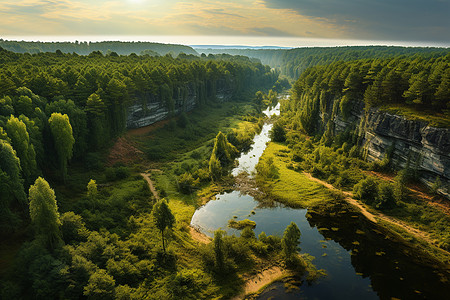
292,62
85,48
206,47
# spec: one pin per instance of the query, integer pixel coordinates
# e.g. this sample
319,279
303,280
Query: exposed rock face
427,148
150,109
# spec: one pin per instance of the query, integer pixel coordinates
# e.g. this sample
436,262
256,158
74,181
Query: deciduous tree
44,213
63,137
163,218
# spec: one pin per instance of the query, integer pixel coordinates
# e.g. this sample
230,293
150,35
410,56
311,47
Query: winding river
362,261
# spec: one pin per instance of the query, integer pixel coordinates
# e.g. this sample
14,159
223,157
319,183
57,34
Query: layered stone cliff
427,148
149,108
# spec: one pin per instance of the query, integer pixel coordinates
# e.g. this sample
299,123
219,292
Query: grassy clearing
419,214
292,188
168,142
433,119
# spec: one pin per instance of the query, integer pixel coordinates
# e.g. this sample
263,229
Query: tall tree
20,140
290,240
44,213
92,190
224,151
218,250
163,218
63,137
11,185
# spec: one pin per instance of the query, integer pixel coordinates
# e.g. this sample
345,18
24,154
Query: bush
187,183
183,120
93,161
241,224
110,174
73,227
366,190
267,169
278,133
386,198
122,172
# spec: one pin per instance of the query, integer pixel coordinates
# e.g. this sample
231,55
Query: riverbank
291,184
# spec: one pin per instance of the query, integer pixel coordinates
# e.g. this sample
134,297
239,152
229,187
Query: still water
361,260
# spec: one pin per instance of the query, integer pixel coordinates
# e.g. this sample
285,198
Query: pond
362,261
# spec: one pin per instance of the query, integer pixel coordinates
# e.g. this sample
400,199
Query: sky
251,22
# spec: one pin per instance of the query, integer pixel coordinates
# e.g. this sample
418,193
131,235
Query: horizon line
227,41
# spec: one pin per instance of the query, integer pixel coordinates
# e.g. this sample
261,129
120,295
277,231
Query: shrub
122,172
278,133
366,190
187,183
267,169
183,120
110,174
241,224
386,198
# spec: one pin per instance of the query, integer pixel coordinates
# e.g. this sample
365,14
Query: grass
166,144
292,188
419,214
432,118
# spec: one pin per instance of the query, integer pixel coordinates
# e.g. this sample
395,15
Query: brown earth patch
198,236
419,191
124,152
147,129
151,185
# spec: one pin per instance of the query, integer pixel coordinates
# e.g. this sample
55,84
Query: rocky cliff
427,148
149,108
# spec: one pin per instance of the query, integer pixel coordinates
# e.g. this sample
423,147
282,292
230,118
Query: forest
85,48
293,62
92,209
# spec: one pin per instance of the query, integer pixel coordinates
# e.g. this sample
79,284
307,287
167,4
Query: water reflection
361,260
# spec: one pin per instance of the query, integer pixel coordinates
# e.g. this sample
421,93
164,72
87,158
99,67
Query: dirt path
419,191
150,184
198,236
348,198
416,232
255,283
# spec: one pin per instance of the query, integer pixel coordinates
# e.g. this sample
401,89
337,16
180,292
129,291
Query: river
362,261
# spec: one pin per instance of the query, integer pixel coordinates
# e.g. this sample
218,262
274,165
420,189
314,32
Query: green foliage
219,251
183,120
267,169
44,213
290,241
92,190
187,183
278,133
188,284
63,139
73,228
366,190
386,197
20,140
11,186
242,224
100,286
437,184
224,151
163,218
215,168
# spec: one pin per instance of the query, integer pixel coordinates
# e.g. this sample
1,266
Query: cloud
386,19
221,11
270,31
